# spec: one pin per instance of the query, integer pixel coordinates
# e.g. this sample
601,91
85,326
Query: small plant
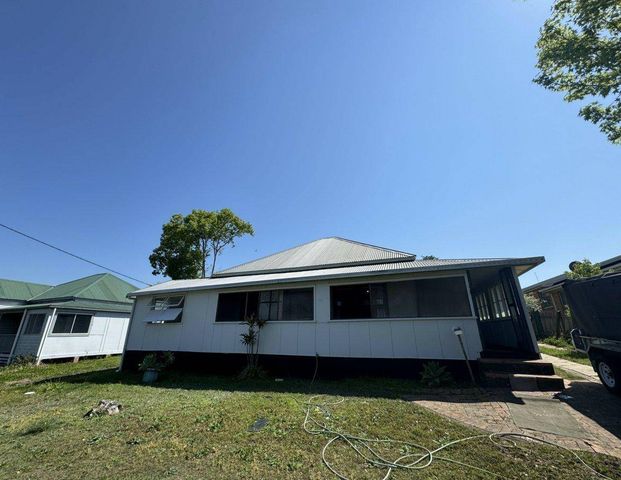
156,361
250,339
435,375
559,342
23,360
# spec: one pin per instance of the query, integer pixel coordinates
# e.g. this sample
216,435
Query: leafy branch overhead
188,241
579,53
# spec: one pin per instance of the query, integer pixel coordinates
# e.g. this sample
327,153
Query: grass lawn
566,353
196,427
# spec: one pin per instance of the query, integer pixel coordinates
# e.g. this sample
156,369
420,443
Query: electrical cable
72,254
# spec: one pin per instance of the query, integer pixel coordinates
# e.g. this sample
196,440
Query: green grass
189,426
566,354
567,375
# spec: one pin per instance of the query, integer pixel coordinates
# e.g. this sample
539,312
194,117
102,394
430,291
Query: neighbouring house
554,319
84,317
355,306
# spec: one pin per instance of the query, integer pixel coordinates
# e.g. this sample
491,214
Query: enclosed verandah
9,327
501,313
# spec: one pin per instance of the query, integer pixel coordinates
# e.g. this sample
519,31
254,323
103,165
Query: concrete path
584,371
584,417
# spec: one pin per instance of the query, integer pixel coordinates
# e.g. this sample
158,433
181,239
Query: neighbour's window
168,309
34,324
72,323
270,305
441,297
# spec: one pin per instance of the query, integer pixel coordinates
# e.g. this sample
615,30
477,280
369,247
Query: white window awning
163,316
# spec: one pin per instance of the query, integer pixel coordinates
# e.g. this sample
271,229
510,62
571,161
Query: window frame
27,322
377,280
75,314
258,291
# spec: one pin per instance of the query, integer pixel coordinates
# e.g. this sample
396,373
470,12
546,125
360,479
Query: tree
429,257
532,303
579,53
188,241
583,269
225,228
176,256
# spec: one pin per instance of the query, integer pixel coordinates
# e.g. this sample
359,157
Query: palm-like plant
250,339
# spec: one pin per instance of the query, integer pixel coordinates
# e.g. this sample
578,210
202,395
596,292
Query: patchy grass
567,353
567,375
190,426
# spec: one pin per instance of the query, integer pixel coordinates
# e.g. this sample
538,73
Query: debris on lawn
279,379
104,407
259,424
29,393
19,383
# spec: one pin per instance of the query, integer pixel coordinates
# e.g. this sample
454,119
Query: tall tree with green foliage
225,227
583,269
188,241
579,53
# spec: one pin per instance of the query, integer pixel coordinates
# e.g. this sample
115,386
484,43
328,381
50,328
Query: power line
71,254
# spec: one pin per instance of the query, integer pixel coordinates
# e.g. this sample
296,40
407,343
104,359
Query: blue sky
413,125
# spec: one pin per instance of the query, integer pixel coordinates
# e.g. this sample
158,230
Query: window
34,324
270,305
166,309
72,323
441,297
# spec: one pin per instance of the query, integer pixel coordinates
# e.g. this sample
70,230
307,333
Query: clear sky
412,125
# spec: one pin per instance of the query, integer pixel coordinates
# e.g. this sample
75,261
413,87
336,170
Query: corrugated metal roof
325,252
75,305
414,266
16,290
103,286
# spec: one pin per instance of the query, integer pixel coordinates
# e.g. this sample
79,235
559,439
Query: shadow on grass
374,387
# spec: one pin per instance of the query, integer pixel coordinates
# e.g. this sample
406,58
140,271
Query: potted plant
153,363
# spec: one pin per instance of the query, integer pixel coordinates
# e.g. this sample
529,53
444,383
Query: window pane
350,301
35,324
174,301
297,304
81,324
63,323
443,297
231,307
159,303
402,299
252,304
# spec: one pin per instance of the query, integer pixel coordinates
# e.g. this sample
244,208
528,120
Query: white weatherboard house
85,317
352,304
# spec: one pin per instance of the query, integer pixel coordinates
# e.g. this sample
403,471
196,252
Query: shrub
435,375
156,361
23,360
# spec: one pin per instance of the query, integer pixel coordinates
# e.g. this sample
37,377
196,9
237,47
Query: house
84,317
554,318
356,306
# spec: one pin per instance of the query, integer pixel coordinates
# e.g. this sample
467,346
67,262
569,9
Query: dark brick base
299,366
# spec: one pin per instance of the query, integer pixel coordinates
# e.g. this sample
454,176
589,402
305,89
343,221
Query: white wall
105,337
378,338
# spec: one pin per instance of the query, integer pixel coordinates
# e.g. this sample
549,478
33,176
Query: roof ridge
269,255
374,246
101,276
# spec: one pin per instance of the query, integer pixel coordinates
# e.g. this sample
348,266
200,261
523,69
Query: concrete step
513,365
524,382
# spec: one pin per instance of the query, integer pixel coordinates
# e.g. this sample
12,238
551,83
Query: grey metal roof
322,253
408,266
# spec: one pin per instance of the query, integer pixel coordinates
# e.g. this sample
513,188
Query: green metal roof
103,286
83,305
16,290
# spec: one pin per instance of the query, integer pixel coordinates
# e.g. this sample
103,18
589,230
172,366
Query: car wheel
609,374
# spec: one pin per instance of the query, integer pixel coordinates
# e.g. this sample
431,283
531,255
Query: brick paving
595,410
